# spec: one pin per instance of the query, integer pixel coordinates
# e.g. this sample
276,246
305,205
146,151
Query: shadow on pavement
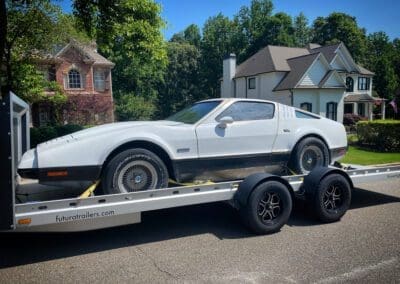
218,219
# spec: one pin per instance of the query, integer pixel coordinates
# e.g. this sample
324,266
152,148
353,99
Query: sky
374,15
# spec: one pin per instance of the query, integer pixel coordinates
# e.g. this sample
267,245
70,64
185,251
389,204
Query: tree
192,35
32,30
340,27
132,107
302,32
218,33
128,32
181,83
381,58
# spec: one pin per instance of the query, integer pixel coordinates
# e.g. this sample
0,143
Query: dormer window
74,79
363,83
349,84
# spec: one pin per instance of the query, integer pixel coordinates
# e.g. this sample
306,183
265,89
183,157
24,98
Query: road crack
156,265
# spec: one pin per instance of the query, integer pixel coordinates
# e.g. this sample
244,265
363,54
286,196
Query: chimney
312,46
228,73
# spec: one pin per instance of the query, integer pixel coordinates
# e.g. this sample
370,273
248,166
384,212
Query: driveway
207,243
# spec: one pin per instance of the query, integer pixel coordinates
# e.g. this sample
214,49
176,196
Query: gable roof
298,66
269,59
328,51
88,52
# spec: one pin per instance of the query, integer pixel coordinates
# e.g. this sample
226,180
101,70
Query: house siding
315,74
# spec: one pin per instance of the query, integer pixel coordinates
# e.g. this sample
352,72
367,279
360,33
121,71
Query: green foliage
181,84
302,32
340,27
42,134
128,32
381,59
382,135
131,107
217,41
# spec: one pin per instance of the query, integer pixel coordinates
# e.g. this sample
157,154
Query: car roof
236,99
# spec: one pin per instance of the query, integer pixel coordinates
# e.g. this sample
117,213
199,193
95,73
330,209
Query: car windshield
194,113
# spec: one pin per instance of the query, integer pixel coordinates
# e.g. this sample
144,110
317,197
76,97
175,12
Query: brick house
85,77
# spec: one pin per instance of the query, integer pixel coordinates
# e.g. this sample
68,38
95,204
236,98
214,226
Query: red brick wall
72,58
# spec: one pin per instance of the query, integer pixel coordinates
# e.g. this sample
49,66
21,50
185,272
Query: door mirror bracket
224,121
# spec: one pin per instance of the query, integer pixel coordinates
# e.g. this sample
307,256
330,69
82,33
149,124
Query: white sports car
218,138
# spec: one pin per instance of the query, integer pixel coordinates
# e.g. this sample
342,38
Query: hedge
381,135
45,133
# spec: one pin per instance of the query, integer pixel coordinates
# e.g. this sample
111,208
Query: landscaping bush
45,133
381,135
350,119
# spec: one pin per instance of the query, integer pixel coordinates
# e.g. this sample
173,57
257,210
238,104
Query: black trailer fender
250,183
313,179
328,191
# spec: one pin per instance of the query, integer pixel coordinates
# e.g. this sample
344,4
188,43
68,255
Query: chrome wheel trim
311,157
136,176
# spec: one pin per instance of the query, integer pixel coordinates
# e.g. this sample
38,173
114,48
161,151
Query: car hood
107,129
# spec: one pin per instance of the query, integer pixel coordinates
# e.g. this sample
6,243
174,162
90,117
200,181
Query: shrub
351,119
382,135
45,133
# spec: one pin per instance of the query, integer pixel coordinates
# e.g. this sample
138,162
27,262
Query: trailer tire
134,170
332,198
268,207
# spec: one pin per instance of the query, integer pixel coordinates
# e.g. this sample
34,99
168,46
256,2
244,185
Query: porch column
355,108
383,109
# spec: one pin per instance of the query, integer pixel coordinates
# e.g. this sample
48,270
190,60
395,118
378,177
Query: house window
363,83
348,108
349,84
99,80
306,106
252,83
361,109
74,79
331,110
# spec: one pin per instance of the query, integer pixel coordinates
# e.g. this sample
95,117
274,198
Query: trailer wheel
268,208
332,198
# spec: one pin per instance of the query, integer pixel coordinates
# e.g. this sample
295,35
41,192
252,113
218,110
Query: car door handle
286,130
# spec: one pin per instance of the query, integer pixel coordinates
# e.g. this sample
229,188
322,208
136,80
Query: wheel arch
247,186
313,179
144,144
312,135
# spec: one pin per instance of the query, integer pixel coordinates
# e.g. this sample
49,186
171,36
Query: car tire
332,198
264,198
134,170
308,154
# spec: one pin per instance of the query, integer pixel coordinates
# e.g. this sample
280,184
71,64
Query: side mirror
223,122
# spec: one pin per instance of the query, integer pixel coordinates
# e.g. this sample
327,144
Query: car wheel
134,170
308,154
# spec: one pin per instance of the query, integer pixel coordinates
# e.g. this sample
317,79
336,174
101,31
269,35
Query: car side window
242,111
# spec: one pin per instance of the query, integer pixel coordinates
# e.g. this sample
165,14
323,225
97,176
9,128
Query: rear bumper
338,153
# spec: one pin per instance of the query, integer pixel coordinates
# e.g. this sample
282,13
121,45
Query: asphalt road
207,243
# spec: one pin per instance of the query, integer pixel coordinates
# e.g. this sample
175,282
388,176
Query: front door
252,131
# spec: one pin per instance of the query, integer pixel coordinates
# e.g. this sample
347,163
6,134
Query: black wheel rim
333,198
269,208
311,157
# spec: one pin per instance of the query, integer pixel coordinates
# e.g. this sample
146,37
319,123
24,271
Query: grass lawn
359,156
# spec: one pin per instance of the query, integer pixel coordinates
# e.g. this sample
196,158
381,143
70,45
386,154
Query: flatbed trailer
264,200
